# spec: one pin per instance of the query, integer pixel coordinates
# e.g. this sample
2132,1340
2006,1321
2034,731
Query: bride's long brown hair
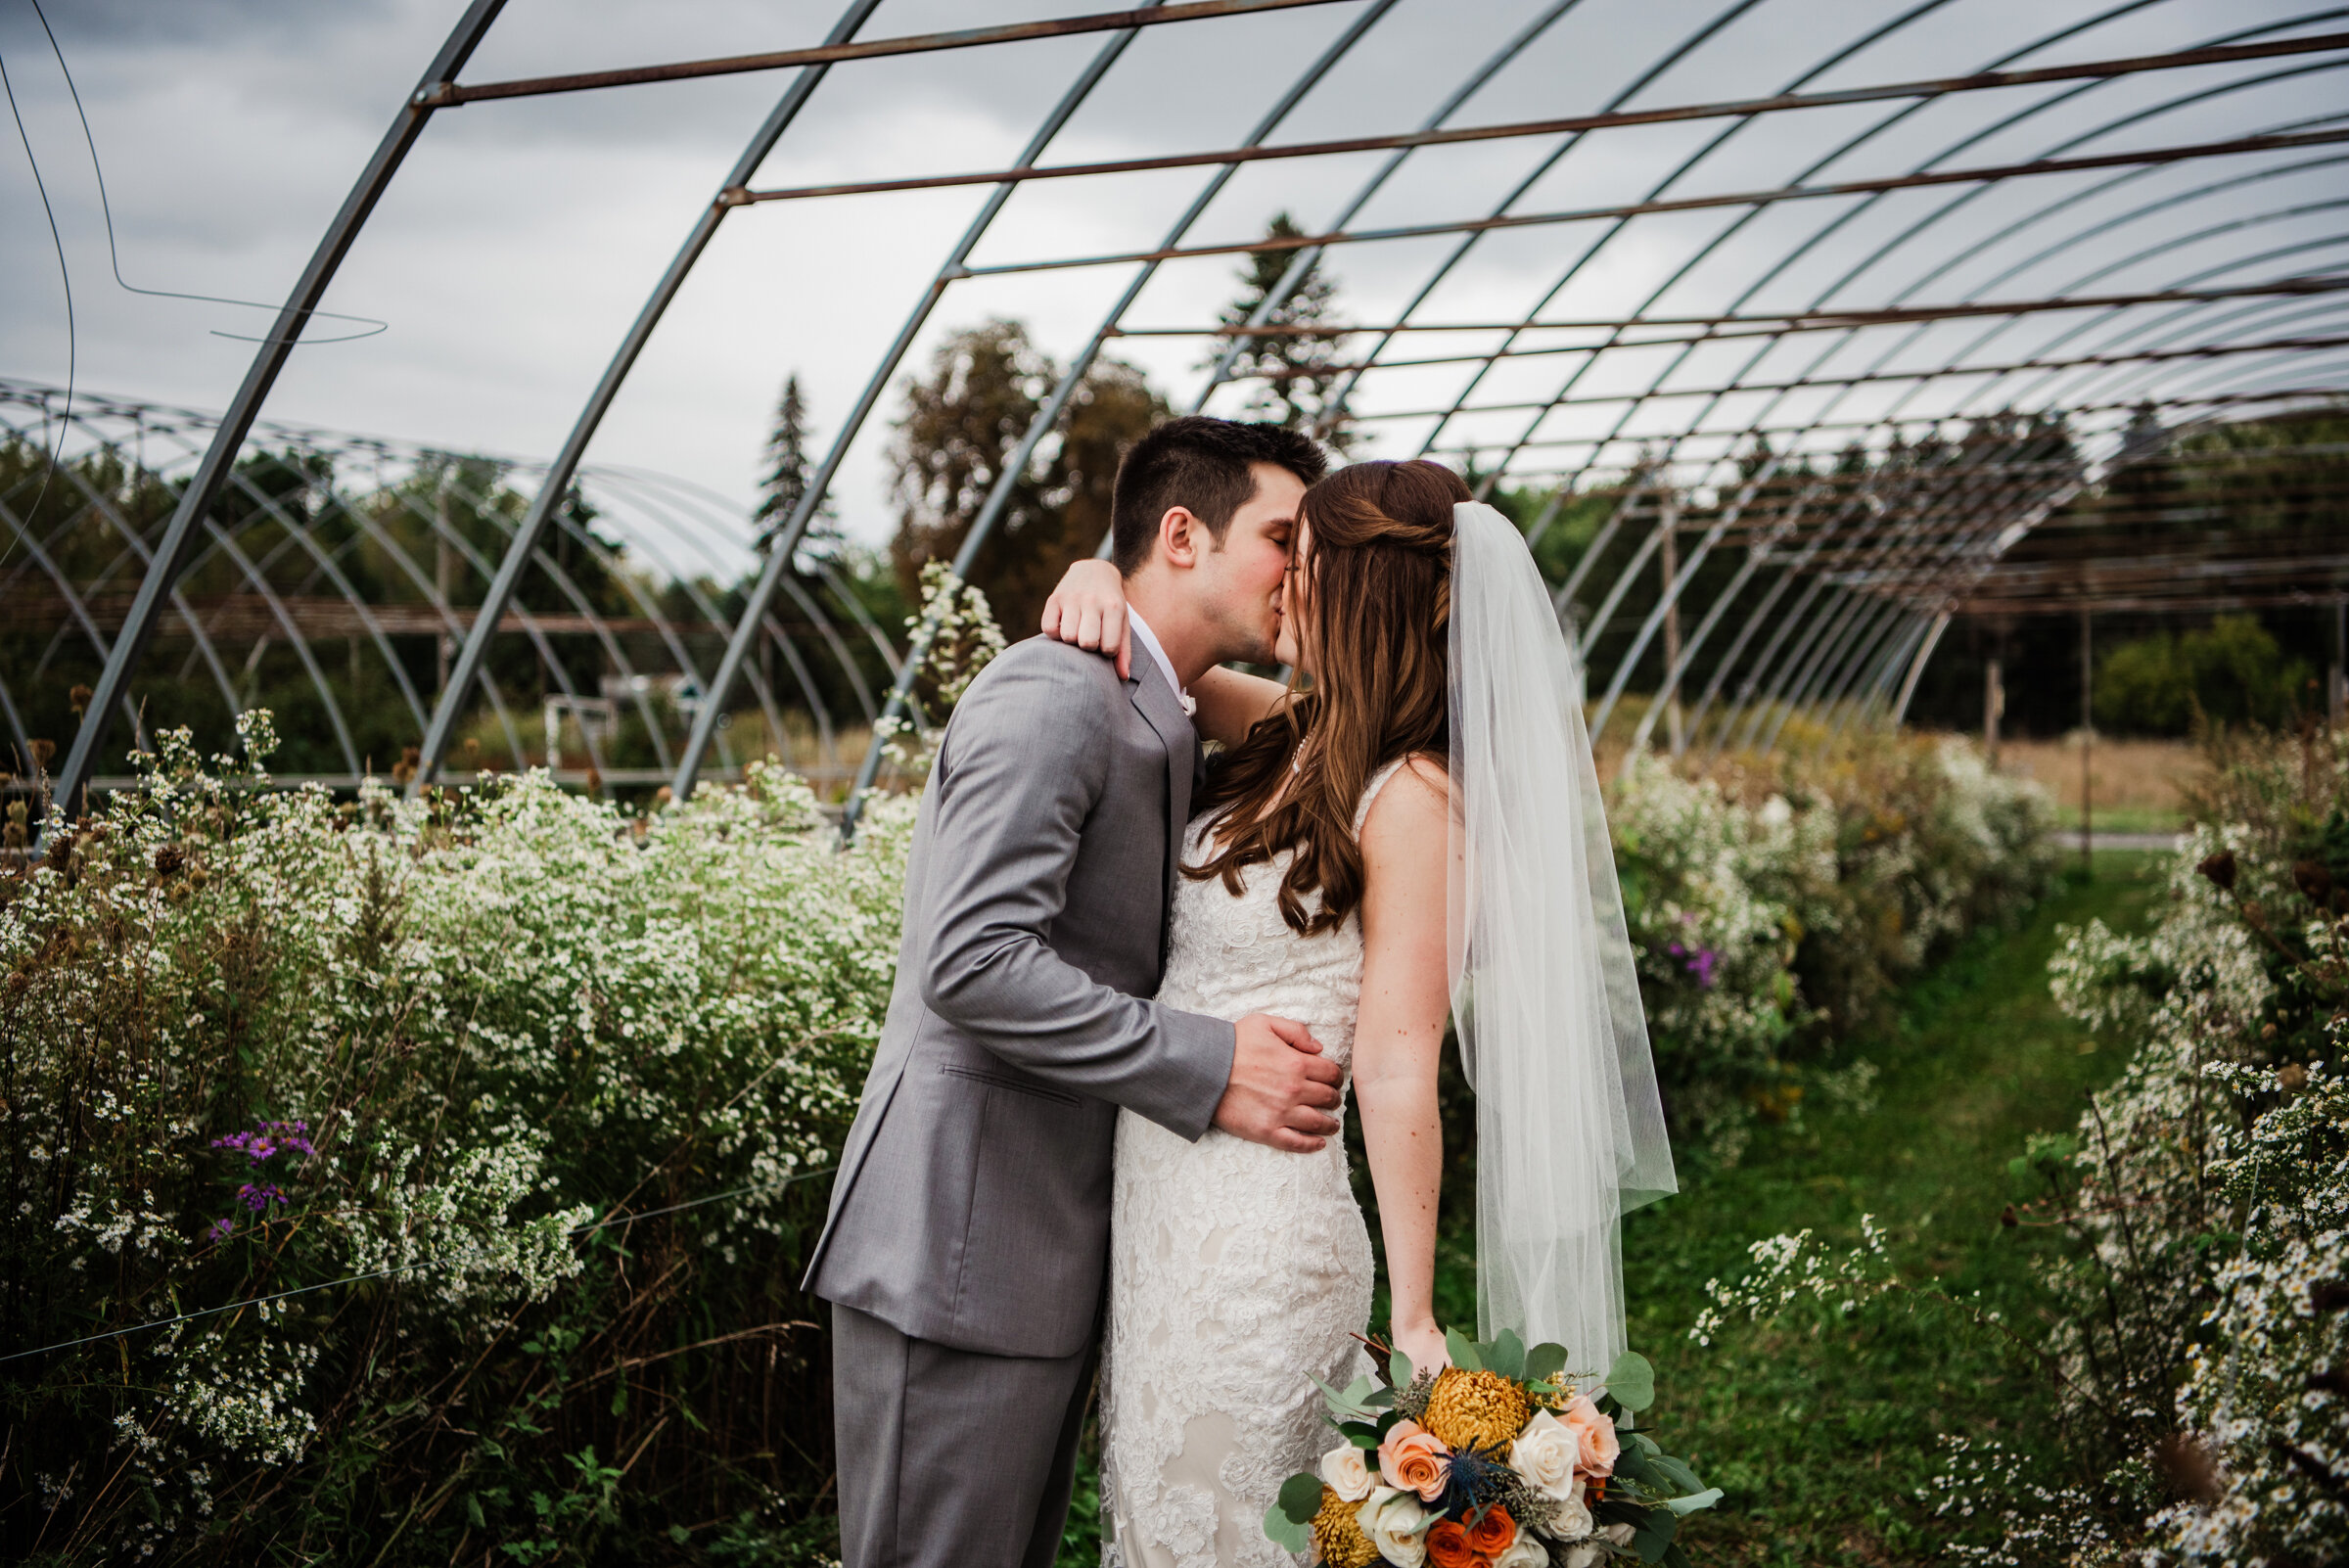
1377,619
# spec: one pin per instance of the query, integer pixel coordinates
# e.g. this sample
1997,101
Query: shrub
2232,673
532,1080
1772,935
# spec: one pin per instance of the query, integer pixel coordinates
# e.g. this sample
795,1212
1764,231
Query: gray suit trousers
951,1458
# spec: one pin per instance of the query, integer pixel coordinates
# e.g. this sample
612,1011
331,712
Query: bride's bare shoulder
1411,810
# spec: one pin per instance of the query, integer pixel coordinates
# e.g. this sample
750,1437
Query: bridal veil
1569,1126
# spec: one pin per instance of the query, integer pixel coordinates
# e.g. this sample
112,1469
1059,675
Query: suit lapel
1154,700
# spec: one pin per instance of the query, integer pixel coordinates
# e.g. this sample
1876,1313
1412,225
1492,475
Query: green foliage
2232,673
964,421
1821,1425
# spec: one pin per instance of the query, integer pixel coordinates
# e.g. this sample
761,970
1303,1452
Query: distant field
2134,784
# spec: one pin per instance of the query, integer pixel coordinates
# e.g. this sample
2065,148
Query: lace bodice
1238,1272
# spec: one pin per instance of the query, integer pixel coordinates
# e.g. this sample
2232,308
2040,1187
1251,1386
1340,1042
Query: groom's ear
1181,536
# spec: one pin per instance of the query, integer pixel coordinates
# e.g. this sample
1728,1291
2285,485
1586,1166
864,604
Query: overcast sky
520,239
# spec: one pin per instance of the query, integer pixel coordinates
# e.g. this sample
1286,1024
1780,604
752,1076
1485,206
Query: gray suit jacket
972,1204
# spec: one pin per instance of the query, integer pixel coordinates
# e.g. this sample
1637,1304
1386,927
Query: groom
968,1238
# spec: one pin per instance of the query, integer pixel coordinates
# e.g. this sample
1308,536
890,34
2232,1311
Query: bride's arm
1088,609
1398,1038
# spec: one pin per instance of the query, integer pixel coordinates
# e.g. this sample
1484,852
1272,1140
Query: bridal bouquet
1500,1460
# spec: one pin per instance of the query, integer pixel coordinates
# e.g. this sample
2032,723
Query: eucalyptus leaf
1283,1530
1633,1381
1694,1501
1677,1556
1463,1350
1400,1371
1507,1355
1360,1390
1341,1406
1682,1479
1633,1465
1300,1497
1545,1362
1652,1537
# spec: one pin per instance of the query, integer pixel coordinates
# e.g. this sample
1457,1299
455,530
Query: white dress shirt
1158,656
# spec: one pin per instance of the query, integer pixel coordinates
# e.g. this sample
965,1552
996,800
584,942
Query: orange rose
1490,1532
1595,1436
1415,1460
1447,1545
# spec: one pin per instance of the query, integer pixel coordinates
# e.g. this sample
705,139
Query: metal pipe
1733,109
787,537
449,94
599,402
276,346
1047,418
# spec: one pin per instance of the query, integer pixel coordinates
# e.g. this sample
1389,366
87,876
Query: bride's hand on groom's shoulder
1088,609
1281,1086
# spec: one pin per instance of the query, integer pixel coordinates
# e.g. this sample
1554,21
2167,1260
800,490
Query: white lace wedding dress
1238,1272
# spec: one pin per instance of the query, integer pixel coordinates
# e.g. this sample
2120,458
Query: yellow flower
1476,1409
1340,1536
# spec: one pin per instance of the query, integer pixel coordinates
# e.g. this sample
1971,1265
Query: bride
1417,834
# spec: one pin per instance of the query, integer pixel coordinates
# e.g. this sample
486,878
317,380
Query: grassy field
1821,1436
1821,1432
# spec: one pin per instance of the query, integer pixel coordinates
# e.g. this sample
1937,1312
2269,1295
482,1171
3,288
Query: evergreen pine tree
786,469
1290,374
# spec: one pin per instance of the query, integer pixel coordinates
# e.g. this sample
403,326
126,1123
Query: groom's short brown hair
1199,464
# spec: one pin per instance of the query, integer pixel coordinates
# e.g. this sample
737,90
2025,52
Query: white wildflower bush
2190,1349
1774,915
486,1117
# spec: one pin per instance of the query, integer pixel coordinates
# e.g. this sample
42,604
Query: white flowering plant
373,1167
1774,912
2190,1235
1501,1459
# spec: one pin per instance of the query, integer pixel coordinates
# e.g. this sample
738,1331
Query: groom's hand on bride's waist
1281,1086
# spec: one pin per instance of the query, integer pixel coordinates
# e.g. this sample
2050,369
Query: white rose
1571,1520
1347,1471
1582,1557
1396,1526
1524,1553
1620,1533
1544,1453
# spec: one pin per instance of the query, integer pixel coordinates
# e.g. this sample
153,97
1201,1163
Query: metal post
2088,740
1994,706
2338,693
182,532
1672,623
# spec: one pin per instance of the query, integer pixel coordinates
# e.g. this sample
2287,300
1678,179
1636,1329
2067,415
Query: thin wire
107,207
65,276
604,1224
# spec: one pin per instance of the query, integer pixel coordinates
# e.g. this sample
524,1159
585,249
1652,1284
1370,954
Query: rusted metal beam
450,94
1571,124
1655,394
1763,326
1981,175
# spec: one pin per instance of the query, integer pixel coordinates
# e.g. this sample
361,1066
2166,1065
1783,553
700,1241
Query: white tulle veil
1569,1127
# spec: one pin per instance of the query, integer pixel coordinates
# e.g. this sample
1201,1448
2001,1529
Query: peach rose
1597,1445
1447,1545
1415,1460
1490,1532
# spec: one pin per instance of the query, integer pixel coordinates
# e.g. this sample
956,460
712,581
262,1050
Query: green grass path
1820,1431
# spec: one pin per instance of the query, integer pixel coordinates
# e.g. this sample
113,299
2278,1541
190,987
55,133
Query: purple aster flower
221,1228
1701,967
259,1198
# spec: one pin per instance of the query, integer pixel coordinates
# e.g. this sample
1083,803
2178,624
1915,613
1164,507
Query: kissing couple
1102,1125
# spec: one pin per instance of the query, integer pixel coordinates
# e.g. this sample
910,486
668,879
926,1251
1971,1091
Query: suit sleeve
1025,761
